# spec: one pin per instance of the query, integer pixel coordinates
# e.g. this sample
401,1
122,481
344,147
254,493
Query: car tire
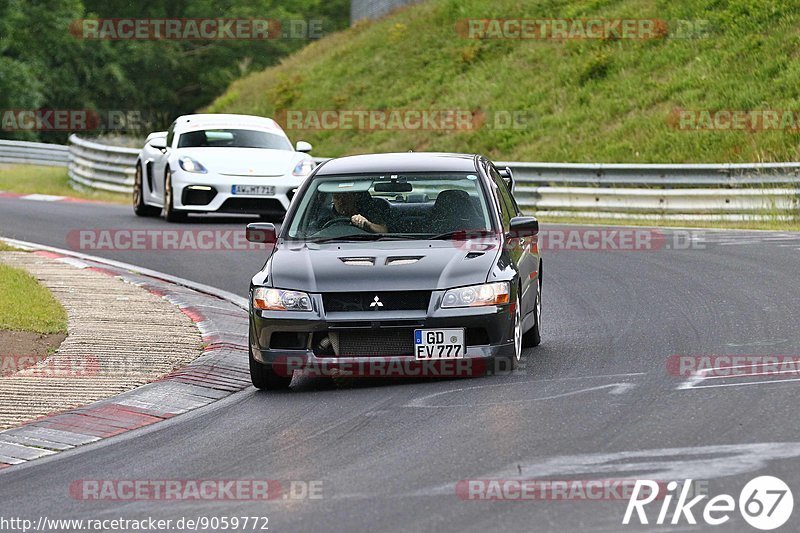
533,337
169,212
517,355
139,206
264,377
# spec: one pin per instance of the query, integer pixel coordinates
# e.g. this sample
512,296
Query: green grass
27,306
589,100
30,179
4,247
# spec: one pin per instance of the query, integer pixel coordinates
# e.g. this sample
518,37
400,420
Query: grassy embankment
585,100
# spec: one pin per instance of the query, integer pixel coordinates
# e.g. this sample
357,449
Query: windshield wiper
463,234
363,237
353,237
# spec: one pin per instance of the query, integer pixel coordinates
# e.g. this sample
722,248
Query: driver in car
364,211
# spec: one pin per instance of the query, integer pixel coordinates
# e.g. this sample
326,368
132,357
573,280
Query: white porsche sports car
219,163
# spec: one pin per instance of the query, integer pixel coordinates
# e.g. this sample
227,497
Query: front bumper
290,341
224,201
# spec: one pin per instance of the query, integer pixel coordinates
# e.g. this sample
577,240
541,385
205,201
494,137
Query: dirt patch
19,347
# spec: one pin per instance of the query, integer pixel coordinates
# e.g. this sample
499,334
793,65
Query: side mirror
522,227
303,146
261,232
159,143
508,177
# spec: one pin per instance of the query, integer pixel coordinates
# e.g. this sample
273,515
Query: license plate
253,190
439,343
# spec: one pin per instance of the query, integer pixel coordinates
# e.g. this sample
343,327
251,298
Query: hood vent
407,260
358,261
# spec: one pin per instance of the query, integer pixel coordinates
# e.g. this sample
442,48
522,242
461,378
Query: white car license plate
439,343
253,190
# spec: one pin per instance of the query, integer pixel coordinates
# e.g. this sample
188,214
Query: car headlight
478,295
303,168
191,165
280,300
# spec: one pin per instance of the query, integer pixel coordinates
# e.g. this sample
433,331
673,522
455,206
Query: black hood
388,266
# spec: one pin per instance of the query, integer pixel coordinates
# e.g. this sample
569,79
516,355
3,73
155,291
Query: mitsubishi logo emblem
376,302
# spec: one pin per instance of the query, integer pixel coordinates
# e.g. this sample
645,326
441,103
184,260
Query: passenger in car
453,211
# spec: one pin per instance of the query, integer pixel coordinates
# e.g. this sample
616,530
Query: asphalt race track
595,401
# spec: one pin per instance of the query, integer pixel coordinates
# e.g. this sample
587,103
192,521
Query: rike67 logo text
765,503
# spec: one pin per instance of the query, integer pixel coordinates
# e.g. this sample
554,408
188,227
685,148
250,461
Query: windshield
234,138
408,206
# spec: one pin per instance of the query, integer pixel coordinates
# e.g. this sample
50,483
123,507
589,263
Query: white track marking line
755,374
42,197
769,382
700,376
421,402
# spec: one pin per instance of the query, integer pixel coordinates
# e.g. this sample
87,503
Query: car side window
507,207
170,134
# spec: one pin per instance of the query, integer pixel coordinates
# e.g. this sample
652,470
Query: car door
520,249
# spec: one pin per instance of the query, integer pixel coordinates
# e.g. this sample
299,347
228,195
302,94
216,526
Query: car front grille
373,343
338,302
263,206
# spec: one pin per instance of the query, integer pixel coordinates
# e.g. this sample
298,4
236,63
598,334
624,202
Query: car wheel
139,207
169,211
265,378
508,363
517,334
533,337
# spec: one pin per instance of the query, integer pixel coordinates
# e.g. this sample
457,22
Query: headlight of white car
280,300
191,165
477,295
303,168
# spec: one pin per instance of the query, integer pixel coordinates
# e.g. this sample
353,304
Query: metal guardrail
99,166
730,191
677,192
660,175
32,153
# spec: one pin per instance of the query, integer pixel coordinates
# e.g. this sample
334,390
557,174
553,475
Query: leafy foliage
43,65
